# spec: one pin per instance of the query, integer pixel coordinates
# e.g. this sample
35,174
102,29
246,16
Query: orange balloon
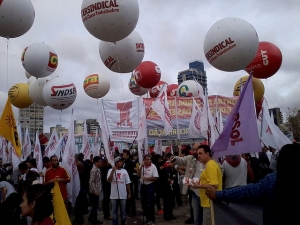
258,87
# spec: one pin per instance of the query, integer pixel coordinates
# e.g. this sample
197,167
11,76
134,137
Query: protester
59,174
105,166
8,202
120,190
210,175
95,189
193,169
234,169
272,189
38,204
128,165
148,174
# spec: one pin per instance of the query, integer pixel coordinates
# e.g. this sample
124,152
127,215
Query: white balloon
30,80
123,56
36,91
230,44
188,88
135,88
39,60
59,93
110,20
16,17
96,85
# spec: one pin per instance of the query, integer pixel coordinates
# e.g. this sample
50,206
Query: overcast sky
173,32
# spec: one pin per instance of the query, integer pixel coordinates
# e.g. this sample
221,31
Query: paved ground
181,214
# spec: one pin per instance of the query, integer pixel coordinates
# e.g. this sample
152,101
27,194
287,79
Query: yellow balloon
19,95
258,87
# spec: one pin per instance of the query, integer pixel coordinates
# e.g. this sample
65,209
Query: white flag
20,134
15,159
161,107
195,125
69,163
219,121
158,147
142,137
26,148
85,149
7,153
60,147
271,135
96,148
2,146
51,147
37,154
105,136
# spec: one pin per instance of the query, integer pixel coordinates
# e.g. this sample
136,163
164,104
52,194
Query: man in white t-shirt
148,174
119,191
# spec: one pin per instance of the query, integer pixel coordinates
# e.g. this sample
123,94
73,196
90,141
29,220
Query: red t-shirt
59,172
46,221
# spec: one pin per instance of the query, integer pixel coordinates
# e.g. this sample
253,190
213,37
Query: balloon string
7,63
97,109
120,75
60,116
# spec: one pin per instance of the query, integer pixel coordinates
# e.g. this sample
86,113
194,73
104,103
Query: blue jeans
197,209
147,198
115,203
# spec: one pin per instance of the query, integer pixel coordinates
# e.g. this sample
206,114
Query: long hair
43,198
286,193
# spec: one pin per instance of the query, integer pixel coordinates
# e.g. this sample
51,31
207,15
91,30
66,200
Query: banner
37,154
26,145
85,144
52,144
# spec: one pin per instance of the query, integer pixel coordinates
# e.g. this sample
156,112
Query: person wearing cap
120,190
148,174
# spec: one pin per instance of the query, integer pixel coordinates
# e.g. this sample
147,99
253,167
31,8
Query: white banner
52,144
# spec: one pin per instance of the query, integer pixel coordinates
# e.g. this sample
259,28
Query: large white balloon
16,17
96,85
135,88
110,20
39,60
36,91
59,93
230,44
188,88
123,56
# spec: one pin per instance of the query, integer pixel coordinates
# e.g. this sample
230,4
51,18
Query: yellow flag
60,213
8,127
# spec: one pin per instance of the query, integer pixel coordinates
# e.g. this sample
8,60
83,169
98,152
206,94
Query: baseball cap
117,159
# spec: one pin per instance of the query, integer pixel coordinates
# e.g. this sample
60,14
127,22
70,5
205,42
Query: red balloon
172,90
266,62
156,89
147,74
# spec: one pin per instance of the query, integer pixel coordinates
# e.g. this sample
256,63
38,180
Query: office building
195,72
33,118
278,118
91,125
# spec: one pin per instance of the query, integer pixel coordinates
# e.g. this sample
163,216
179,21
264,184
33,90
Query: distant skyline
173,32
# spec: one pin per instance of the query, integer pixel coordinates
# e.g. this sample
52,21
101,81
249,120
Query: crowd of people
159,180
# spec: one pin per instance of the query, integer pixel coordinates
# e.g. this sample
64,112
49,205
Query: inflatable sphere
111,20
258,88
59,93
135,88
36,91
188,88
30,80
39,60
147,74
19,96
156,89
96,85
123,56
172,90
267,61
16,17
230,44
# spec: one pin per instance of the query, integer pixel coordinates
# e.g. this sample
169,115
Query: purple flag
240,134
